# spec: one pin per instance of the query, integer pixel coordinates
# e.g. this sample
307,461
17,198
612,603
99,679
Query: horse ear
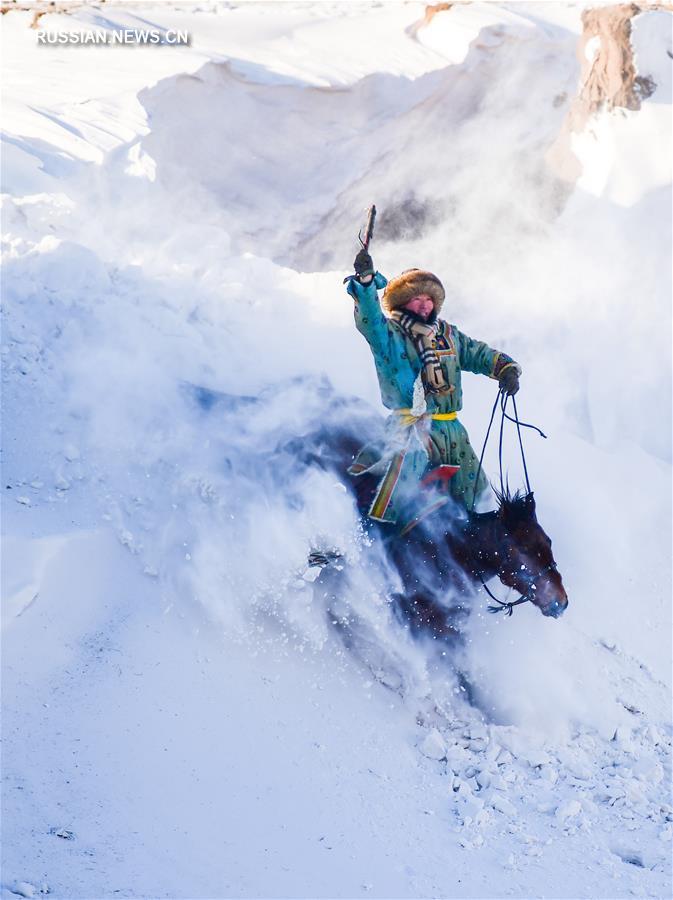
528,508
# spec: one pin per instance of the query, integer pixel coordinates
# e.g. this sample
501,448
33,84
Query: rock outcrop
608,79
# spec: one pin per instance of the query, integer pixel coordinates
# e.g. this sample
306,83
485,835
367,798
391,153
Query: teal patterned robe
410,451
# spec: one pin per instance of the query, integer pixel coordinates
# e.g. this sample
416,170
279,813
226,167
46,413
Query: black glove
363,264
509,381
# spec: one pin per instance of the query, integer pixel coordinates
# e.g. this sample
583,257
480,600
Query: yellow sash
407,418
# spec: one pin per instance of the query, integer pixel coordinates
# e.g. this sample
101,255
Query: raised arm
369,319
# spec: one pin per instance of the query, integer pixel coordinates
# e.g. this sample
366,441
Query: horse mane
505,497
514,506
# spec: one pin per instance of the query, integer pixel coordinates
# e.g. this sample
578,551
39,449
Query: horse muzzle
555,609
551,602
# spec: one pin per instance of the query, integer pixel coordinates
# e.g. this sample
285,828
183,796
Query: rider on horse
419,359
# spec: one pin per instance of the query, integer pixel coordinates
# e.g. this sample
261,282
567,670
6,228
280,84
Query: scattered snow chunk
461,786
492,751
624,737
634,791
498,783
457,758
568,810
312,573
471,843
545,808
71,452
536,758
648,768
503,805
472,809
433,745
609,794
549,774
517,743
630,855
126,537
25,501
577,769
26,889
477,731
653,734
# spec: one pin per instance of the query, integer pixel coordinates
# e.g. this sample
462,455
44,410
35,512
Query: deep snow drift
183,716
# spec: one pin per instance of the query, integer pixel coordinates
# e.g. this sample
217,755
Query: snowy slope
182,717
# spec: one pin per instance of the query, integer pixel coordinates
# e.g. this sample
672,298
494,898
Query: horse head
525,559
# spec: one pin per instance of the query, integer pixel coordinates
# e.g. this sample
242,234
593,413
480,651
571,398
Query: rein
507,608
502,398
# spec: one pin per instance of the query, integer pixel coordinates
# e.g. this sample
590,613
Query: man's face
421,305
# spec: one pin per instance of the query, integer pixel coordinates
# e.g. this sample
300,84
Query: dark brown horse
444,559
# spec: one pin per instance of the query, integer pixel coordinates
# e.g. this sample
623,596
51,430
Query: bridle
508,607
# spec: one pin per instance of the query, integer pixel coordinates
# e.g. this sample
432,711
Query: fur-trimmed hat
411,283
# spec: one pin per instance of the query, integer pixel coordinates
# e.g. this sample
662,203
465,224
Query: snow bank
174,315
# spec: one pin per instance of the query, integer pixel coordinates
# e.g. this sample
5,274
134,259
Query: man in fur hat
419,359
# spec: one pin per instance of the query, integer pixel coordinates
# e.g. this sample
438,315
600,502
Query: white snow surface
186,714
